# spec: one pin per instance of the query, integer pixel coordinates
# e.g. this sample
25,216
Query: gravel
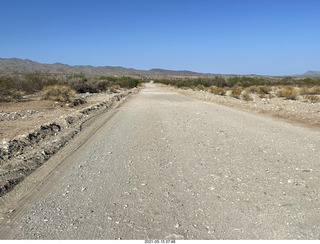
180,168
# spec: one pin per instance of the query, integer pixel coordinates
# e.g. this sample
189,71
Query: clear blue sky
268,37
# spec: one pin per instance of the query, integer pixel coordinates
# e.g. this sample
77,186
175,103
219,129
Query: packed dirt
166,166
294,111
32,131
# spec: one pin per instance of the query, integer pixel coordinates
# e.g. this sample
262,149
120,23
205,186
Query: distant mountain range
29,66
310,73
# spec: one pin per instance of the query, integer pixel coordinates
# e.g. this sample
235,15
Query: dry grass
262,94
58,93
265,89
236,91
199,88
315,90
246,97
113,88
310,90
217,90
312,98
253,89
288,92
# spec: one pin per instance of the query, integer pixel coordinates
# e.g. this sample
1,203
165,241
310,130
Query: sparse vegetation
265,89
236,91
244,81
205,82
288,92
59,93
245,86
15,87
217,90
312,98
253,89
247,97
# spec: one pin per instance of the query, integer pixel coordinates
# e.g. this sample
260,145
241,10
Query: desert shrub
247,81
199,88
10,95
304,90
217,90
16,94
83,85
253,89
309,90
189,82
75,76
34,82
58,93
309,82
247,97
262,94
312,98
236,92
219,81
288,92
300,82
207,82
128,82
270,96
285,81
113,88
102,85
265,89
122,81
315,90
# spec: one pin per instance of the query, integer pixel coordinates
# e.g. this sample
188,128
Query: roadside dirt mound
23,154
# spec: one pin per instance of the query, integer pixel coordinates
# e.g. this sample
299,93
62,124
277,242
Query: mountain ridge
28,66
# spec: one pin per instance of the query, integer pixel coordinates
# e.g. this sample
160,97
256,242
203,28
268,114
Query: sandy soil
19,118
33,131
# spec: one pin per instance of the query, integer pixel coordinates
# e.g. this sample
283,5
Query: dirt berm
23,154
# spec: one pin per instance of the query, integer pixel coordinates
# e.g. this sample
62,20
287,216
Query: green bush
75,76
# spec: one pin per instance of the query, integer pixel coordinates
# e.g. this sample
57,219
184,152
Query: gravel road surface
166,166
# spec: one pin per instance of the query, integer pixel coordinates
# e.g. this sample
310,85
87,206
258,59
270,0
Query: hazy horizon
219,37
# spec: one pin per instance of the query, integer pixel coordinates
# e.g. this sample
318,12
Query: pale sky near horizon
274,37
